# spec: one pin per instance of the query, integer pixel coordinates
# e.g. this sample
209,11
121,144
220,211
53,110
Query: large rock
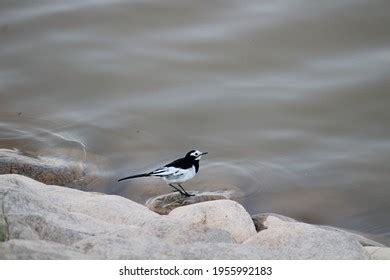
37,211
260,221
128,243
165,203
364,241
38,250
39,221
294,240
49,218
46,170
221,251
225,215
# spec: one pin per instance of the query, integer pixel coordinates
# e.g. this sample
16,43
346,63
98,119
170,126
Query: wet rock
294,240
50,171
164,204
226,215
378,253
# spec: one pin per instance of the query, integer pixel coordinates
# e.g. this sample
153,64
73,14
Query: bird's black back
185,163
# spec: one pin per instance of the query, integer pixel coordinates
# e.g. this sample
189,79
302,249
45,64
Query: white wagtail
176,172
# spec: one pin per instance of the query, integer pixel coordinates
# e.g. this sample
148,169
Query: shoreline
53,222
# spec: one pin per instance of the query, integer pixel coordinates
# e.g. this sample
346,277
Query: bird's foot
182,193
187,194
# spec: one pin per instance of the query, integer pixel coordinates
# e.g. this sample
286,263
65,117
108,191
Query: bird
176,172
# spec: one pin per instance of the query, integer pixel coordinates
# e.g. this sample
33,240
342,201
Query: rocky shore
39,221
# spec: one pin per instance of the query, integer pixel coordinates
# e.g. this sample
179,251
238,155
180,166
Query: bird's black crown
194,155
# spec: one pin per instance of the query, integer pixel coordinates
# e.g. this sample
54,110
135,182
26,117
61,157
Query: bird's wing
165,171
180,163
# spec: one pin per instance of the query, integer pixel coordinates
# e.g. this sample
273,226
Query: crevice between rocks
372,252
7,233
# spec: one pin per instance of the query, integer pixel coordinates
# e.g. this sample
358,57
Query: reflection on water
290,97
35,137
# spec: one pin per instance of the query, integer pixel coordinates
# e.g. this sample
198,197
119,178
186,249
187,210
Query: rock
225,215
38,211
39,221
221,251
364,241
195,233
294,240
111,209
3,221
378,253
46,170
3,229
3,232
18,249
259,220
49,218
164,204
128,243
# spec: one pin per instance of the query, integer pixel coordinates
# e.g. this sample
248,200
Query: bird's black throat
196,164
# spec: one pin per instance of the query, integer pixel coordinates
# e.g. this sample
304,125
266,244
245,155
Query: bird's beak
204,153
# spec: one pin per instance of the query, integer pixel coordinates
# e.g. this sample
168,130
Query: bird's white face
197,154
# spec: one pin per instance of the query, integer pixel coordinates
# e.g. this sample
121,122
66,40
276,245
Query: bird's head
195,154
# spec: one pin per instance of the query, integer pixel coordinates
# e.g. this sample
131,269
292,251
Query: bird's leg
185,192
177,190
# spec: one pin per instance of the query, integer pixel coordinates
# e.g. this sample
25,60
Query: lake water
291,98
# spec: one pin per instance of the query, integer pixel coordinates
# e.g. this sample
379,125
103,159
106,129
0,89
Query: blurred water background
291,98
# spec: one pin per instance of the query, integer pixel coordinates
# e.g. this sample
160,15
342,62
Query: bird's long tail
135,176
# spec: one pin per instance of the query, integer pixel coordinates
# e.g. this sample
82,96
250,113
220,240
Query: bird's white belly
181,176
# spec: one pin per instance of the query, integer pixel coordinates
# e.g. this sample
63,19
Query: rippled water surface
291,98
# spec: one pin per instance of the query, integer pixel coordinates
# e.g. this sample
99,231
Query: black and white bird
176,172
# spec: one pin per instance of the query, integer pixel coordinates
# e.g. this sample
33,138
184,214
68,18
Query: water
289,97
